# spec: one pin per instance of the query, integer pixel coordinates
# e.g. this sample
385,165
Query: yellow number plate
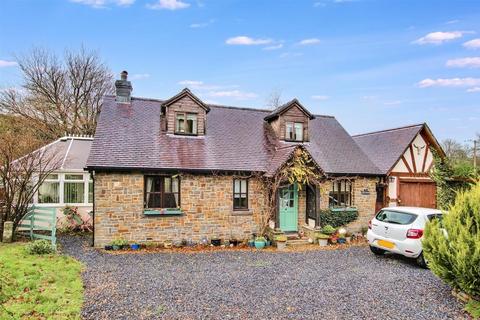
386,244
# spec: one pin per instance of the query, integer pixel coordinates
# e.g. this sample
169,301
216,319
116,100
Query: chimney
123,88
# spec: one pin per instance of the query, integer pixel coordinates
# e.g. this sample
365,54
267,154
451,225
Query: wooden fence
40,223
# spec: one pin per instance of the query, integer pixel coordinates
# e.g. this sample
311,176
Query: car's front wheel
377,251
421,261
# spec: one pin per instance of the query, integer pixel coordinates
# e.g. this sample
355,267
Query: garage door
418,194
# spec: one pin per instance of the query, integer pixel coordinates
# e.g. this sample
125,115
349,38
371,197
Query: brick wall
205,200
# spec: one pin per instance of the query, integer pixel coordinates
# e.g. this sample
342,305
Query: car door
378,226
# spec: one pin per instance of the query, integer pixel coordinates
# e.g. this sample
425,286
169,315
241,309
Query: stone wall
206,200
364,201
364,198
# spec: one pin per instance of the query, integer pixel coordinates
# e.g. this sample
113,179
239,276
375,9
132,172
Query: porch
300,210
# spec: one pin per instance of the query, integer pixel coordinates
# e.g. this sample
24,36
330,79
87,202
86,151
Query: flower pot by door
323,242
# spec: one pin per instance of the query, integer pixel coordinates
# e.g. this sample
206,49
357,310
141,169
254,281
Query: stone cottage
181,169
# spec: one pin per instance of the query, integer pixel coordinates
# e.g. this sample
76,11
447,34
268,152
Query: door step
297,242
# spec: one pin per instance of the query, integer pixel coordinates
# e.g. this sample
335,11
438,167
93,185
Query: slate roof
279,110
386,147
129,137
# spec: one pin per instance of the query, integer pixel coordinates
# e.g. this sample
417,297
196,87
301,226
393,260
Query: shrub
338,218
452,246
119,242
328,229
74,222
40,247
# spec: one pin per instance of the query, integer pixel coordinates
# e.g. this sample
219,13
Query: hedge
337,218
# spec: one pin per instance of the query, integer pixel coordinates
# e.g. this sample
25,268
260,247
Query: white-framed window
69,188
294,131
49,191
73,188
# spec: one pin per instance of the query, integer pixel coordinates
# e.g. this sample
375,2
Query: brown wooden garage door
417,194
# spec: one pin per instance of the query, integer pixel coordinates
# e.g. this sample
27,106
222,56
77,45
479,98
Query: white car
400,230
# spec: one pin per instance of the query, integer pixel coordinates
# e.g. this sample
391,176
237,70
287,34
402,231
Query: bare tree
60,95
274,100
23,168
454,150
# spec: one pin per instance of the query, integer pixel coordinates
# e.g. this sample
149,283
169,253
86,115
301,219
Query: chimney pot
123,88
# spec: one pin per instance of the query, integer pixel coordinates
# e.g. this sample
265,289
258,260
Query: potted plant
333,238
260,242
348,236
281,241
108,247
135,246
323,239
118,244
328,229
167,244
341,239
216,242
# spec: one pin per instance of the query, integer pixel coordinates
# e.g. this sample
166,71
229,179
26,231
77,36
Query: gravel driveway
339,284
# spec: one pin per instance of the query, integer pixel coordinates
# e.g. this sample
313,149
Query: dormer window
186,123
294,131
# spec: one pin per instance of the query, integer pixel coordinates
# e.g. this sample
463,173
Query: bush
328,229
338,218
454,256
40,247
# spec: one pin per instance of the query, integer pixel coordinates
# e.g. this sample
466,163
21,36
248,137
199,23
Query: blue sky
373,64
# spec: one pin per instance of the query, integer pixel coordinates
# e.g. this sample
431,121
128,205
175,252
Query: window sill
163,212
186,134
242,212
341,209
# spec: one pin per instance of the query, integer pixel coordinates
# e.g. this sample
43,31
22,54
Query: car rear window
437,216
395,217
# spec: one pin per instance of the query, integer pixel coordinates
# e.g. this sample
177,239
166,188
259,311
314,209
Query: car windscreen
395,217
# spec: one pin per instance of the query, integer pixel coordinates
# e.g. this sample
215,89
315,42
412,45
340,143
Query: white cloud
291,54
320,97
168,5
247,41
191,83
452,21
472,44
439,37
6,63
202,24
274,47
140,76
104,3
469,62
474,89
452,82
307,42
236,94
200,85
392,103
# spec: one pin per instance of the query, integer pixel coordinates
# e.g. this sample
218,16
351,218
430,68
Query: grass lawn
38,286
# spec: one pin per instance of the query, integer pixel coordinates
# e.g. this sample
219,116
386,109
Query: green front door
288,208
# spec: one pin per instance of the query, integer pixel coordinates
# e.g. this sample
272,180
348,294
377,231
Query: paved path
340,284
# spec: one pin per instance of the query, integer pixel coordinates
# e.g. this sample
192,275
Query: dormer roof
182,94
284,107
